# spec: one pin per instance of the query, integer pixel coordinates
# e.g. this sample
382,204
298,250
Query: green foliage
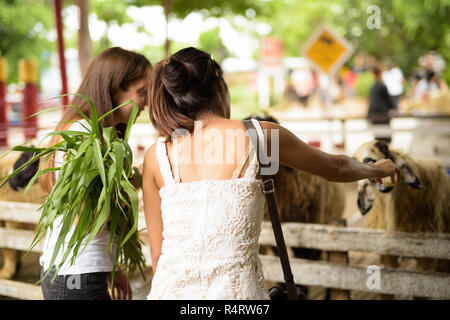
153,53
216,8
112,12
23,28
210,42
156,53
409,29
364,82
95,174
244,102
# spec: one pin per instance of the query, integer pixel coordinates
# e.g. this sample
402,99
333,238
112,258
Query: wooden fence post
338,257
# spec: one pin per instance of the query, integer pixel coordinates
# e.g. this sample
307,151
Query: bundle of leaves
93,185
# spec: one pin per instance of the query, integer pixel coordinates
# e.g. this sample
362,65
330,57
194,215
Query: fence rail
306,272
333,238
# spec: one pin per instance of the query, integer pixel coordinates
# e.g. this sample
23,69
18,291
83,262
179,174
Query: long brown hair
181,86
113,69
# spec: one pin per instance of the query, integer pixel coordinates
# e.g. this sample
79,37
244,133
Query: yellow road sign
327,50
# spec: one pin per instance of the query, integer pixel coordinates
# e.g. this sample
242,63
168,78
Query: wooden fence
306,272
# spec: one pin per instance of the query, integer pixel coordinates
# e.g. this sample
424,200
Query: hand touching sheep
387,168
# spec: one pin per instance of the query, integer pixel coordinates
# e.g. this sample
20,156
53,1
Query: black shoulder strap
269,192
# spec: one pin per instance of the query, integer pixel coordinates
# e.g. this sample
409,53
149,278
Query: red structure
315,143
272,51
30,106
29,74
3,112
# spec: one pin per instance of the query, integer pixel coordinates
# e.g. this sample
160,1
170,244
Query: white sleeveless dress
211,232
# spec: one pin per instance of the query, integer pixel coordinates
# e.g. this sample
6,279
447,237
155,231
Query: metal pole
62,60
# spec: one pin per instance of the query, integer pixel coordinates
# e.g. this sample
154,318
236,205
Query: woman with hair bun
203,197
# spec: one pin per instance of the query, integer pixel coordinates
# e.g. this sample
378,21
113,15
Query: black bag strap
269,192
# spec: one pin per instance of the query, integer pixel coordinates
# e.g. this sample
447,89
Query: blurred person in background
323,83
372,62
302,80
429,85
359,66
349,79
380,103
393,78
427,78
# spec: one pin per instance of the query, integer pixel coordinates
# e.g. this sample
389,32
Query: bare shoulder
232,123
268,126
264,124
152,172
150,157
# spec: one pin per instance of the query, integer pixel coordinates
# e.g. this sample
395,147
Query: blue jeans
86,286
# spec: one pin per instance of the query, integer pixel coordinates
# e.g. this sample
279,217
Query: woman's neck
207,117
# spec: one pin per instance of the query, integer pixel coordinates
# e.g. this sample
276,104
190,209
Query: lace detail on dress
211,231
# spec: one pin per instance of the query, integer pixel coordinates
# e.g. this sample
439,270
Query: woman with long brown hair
203,225
113,77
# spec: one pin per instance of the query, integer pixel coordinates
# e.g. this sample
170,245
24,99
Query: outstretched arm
152,205
294,153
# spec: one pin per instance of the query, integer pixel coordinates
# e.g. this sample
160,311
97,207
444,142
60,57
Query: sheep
13,192
303,197
419,202
306,198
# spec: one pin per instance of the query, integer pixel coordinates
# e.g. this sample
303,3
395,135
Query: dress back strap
242,162
163,161
176,161
253,167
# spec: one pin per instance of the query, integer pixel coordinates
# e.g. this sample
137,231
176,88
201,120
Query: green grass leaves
94,187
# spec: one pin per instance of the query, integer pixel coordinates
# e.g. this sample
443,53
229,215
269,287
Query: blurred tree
210,41
84,38
408,30
112,12
426,27
24,32
215,8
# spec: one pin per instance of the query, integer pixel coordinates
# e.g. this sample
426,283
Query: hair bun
184,84
176,77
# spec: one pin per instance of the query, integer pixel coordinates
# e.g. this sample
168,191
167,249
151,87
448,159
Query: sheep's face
365,196
21,179
371,152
